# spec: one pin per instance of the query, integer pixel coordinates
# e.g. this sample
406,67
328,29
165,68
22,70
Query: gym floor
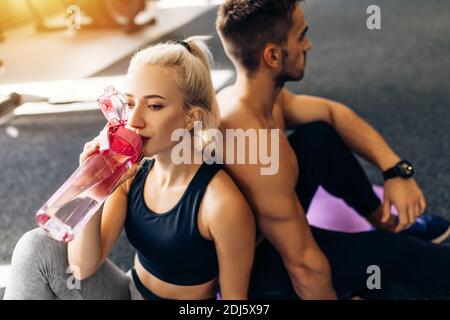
397,78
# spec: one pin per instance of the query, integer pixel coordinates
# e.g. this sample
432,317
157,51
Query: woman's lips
144,140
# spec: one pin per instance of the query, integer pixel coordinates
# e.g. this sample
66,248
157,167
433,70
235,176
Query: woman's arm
232,228
94,242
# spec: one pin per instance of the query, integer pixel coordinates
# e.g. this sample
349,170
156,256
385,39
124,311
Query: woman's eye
155,106
130,103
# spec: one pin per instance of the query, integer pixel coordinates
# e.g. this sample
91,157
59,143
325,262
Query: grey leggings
39,270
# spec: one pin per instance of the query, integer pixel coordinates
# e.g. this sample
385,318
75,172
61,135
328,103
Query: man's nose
308,45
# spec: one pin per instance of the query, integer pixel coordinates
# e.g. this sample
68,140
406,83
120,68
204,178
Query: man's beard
286,74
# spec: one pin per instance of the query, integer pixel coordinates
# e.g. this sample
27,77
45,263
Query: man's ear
194,114
272,56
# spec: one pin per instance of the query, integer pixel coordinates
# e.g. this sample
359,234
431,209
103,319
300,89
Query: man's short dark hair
247,25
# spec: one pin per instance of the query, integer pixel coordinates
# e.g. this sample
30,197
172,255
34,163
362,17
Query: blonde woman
190,225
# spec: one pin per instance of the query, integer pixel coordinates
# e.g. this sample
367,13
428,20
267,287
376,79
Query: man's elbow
312,281
309,275
340,113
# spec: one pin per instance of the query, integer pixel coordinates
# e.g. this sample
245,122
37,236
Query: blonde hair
192,73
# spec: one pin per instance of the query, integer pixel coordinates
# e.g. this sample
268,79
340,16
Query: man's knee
318,135
320,130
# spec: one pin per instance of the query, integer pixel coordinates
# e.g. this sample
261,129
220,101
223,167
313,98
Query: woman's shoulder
221,182
222,196
226,211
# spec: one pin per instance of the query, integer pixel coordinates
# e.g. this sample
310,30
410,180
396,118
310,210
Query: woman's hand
93,147
90,148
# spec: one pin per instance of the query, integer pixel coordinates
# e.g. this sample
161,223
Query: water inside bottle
60,222
66,212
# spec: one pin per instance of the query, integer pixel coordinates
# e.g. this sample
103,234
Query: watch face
407,169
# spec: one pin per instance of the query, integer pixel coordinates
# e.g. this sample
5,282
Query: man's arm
357,133
282,221
284,224
363,139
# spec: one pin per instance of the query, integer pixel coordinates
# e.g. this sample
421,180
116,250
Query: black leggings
409,268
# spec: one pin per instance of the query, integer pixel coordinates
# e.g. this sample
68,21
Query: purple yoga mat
331,213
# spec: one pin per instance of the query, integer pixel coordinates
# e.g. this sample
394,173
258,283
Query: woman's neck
168,173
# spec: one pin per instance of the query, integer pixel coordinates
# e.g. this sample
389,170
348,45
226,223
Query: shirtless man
316,153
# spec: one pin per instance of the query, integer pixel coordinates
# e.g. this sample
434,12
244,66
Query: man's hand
407,198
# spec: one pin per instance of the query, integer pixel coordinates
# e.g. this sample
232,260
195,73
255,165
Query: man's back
273,198
255,186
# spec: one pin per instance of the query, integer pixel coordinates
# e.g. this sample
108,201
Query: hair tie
185,44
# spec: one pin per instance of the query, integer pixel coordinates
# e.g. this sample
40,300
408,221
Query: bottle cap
114,105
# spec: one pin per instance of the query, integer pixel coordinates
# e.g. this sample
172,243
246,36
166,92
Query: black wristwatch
403,169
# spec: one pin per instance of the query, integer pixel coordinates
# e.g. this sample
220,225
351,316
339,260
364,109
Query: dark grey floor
397,78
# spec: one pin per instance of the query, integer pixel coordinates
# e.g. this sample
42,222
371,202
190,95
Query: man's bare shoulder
240,118
284,97
233,112
224,93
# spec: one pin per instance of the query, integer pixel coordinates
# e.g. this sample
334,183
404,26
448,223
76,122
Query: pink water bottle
76,201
